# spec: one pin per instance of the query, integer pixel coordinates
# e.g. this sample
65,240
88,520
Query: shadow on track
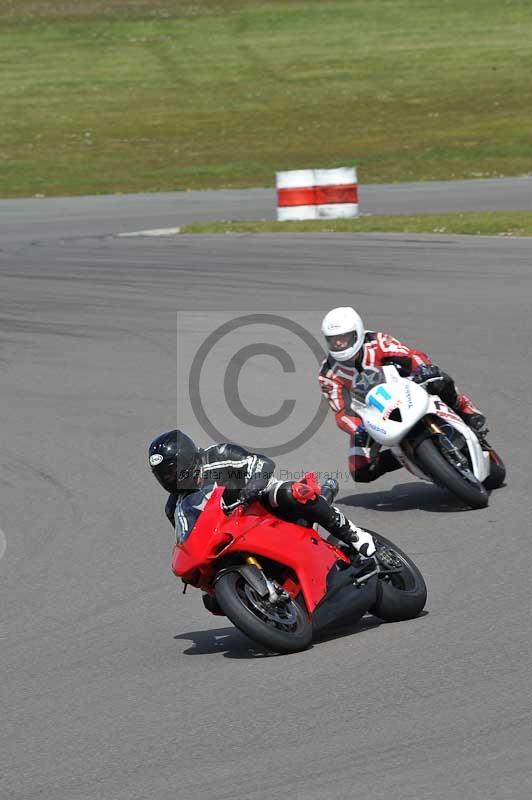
367,623
406,497
232,644
228,641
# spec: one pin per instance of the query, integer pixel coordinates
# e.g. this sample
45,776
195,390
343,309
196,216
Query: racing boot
361,548
471,415
359,542
477,422
438,382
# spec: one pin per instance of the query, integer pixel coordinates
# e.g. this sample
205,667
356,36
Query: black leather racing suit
234,467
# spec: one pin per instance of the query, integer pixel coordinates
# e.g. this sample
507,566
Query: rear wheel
468,489
283,627
402,594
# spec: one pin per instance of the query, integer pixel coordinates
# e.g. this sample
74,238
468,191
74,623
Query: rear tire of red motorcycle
247,620
402,596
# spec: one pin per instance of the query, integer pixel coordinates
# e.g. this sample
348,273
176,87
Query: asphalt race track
116,686
35,220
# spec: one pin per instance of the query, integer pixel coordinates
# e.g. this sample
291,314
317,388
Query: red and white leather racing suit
336,380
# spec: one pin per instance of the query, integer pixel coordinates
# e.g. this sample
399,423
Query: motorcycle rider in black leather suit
189,475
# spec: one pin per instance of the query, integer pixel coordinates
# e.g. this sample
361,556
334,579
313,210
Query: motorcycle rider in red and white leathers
353,352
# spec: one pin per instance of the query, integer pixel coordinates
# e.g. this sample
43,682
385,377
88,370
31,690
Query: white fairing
399,396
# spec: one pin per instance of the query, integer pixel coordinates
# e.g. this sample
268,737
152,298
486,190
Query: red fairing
258,533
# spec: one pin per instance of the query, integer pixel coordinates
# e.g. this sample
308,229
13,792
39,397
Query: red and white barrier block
317,194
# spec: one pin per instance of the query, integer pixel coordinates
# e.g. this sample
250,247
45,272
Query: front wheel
468,489
401,594
282,627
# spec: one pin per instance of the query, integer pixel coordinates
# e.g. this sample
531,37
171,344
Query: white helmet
344,332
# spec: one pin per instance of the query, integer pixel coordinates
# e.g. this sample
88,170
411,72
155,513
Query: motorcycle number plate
379,398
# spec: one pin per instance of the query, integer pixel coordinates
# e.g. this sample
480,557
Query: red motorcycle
281,584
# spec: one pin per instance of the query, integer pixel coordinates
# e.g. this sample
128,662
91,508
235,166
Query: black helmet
175,462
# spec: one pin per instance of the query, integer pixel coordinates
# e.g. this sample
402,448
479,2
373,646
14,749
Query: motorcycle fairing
397,394
344,600
480,459
302,550
393,408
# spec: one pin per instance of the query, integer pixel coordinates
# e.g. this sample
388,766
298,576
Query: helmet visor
167,478
341,341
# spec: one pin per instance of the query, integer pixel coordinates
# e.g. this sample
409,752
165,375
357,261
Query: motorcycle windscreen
187,511
197,515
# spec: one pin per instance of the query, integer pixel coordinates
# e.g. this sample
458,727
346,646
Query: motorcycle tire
400,595
444,474
497,472
281,629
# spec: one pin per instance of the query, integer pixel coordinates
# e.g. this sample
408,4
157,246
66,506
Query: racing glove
251,492
431,377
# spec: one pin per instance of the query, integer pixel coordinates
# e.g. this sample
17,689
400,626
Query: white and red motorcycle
426,436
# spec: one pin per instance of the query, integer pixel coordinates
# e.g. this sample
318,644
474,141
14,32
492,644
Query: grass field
515,223
129,95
